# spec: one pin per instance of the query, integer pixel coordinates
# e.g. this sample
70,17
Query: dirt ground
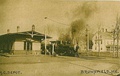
42,65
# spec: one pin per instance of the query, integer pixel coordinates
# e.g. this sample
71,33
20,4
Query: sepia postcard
59,38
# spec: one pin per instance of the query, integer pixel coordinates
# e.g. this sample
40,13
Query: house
103,41
27,42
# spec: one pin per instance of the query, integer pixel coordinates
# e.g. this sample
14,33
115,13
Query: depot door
27,45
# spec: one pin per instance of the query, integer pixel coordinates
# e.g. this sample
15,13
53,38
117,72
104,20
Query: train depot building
27,42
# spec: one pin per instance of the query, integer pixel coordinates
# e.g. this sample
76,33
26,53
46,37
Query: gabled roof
23,35
104,35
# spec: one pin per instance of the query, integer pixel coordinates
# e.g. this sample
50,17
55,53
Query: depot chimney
8,30
18,28
33,27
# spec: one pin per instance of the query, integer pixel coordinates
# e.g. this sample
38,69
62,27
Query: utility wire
55,21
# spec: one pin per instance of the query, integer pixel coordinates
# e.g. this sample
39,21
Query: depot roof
23,35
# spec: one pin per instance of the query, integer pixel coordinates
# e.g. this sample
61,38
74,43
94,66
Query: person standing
76,48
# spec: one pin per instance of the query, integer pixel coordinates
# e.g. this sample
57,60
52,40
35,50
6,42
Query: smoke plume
81,16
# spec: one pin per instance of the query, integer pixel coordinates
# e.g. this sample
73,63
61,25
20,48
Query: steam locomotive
63,48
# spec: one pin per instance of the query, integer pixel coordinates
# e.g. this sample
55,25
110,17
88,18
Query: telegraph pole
45,43
45,37
98,42
117,43
87,40
113,43
116,36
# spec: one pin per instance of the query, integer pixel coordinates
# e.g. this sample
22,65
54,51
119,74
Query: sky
59,13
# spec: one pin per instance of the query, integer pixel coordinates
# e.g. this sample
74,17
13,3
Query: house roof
104,35
24,35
